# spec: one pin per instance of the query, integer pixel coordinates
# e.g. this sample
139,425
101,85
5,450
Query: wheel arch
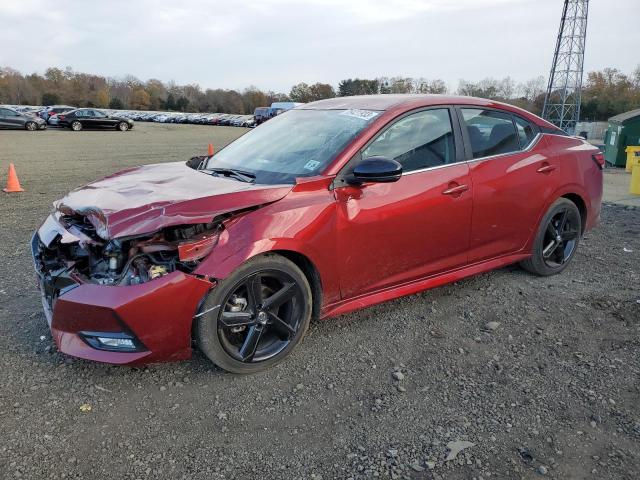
219,266
582,208
312,274
573,193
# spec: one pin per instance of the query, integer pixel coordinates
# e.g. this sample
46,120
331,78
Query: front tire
255,317
557,239
76,126
123,126
31,126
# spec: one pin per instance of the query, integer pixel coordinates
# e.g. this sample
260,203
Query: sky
274,44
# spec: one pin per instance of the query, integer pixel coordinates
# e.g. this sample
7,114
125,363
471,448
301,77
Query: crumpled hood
145,199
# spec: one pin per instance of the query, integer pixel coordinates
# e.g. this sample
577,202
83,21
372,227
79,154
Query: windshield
298,143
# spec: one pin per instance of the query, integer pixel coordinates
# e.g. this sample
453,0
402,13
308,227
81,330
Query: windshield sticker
311,165
365,115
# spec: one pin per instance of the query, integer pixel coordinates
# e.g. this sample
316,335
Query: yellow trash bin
634,188
633,153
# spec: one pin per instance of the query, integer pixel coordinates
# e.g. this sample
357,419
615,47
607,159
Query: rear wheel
557,239
76,126
31,126
123,126
255,317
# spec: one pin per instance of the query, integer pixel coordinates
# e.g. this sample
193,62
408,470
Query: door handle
455,189
546,168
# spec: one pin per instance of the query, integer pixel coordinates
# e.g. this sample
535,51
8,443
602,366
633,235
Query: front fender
307,231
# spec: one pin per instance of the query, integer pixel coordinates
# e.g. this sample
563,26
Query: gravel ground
503,375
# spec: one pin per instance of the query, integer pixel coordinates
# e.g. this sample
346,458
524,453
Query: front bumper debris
157,315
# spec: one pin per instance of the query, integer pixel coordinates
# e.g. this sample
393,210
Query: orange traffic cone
13,184
210,149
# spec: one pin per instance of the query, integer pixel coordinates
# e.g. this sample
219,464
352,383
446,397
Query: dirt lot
551,389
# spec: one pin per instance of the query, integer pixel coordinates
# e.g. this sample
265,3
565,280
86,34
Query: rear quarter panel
578,175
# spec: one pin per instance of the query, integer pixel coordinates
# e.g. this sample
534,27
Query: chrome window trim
530,147
532,144
433,168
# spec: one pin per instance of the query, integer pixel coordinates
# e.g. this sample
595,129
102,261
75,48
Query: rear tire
557,239
76,126
277,315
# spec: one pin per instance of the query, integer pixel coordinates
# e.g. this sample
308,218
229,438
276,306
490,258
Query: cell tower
562,100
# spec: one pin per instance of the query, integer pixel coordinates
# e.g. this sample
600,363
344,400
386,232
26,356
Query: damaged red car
330,207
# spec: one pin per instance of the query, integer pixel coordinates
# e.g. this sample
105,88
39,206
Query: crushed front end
124,301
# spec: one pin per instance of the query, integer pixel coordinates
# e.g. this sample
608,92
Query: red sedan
328,208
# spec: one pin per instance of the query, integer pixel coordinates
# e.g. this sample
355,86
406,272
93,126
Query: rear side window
490,132
420,140
526,132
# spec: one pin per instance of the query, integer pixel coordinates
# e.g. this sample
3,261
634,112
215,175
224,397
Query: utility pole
562,100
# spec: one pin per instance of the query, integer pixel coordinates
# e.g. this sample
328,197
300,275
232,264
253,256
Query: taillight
599,159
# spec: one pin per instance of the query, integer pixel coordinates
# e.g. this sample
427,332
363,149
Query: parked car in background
53,110
10,118
262,114
328,208
279,107
92,118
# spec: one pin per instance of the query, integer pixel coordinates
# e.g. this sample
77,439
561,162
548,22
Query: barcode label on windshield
365,115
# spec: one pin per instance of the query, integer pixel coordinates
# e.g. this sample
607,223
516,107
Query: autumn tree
49,98
140,99
102,97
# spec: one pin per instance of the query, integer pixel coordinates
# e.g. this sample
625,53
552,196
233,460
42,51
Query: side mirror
376,169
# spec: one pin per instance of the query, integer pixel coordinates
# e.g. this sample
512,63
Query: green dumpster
623,130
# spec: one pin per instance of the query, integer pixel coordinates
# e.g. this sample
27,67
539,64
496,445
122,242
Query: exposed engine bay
78,252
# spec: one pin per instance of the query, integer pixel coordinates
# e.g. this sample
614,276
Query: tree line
605,93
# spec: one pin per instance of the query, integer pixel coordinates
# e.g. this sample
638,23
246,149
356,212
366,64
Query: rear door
14,119
4,117
513,175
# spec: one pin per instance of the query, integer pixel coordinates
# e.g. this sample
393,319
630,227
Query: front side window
420,140
297,143
490,132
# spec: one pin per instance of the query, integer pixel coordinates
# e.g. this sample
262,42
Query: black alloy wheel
260,316
557,239
255,317
560,237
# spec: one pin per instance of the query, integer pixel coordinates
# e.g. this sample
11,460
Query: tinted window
526,133
490,132
420,140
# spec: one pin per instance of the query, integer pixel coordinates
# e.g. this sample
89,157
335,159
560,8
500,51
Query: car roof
387,102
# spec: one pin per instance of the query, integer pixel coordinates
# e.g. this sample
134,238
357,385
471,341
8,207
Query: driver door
392,233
